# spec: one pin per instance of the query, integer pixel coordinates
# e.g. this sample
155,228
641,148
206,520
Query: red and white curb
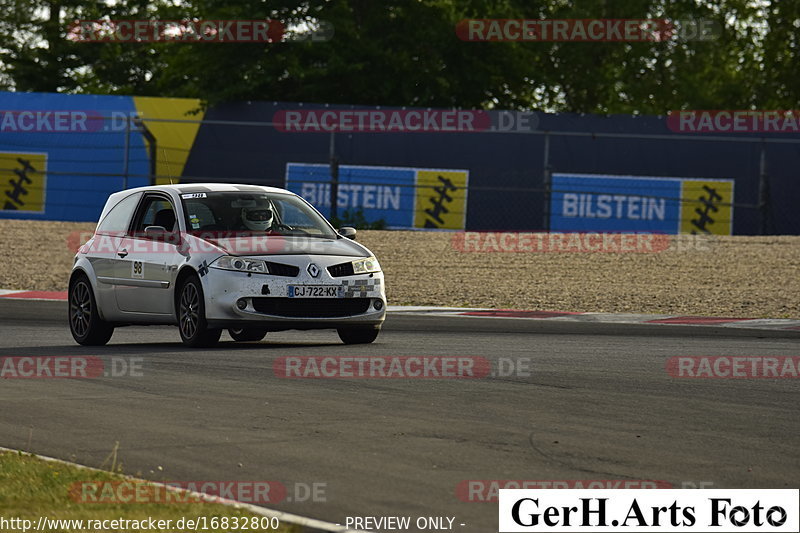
49,296
606,318
515,314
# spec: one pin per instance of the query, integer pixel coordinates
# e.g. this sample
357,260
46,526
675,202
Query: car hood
288,245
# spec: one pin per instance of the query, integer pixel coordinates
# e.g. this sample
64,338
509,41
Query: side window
200,215
156,211
117,220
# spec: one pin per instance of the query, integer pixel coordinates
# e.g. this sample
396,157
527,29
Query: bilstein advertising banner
639,204
403,197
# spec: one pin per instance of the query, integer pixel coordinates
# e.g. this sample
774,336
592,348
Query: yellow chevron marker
174,140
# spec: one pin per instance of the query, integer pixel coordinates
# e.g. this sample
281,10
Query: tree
406,52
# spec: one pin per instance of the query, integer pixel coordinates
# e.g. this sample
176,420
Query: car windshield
253,212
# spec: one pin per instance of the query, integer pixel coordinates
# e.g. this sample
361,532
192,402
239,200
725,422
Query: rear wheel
192,316
358,335
247,334
85,324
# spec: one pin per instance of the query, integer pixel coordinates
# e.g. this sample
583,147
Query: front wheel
192,316
247,334
358,335
85,324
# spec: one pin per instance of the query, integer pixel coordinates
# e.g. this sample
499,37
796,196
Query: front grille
311,307
342,269
279,269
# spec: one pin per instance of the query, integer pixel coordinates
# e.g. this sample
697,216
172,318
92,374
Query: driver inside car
258,218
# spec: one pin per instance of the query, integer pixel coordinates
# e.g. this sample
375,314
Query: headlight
240,264
363,266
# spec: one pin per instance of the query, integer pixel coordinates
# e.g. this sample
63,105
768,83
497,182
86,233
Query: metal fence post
126,155
152,145
763,191
546,181
334,161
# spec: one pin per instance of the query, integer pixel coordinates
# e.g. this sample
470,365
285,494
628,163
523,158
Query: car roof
186,188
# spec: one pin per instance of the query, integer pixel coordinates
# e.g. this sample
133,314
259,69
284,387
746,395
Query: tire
85,324
247,334
358,335
191,311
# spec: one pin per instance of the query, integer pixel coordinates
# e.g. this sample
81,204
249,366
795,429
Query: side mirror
155,231
160,233
347,231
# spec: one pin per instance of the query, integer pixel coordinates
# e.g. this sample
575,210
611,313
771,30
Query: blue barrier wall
84,160
506,170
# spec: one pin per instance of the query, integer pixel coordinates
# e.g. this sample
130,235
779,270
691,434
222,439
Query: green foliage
406,52
355,218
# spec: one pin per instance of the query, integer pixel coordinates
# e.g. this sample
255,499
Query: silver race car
210,256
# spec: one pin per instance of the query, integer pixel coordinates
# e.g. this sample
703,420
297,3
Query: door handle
123,253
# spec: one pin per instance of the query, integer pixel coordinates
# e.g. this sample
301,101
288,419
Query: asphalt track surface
598,404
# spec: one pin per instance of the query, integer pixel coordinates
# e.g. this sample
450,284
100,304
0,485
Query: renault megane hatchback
208,257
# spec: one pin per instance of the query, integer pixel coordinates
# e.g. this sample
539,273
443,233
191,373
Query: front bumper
239,299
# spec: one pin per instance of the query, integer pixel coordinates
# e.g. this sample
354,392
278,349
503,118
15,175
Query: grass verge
31,488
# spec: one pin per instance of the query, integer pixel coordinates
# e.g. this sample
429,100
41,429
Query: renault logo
313,270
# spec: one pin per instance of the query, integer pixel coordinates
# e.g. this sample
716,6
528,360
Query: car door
102,252
148,263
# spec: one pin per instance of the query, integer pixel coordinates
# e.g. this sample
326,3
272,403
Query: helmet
257,218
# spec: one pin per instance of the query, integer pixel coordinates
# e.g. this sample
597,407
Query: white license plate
314,291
